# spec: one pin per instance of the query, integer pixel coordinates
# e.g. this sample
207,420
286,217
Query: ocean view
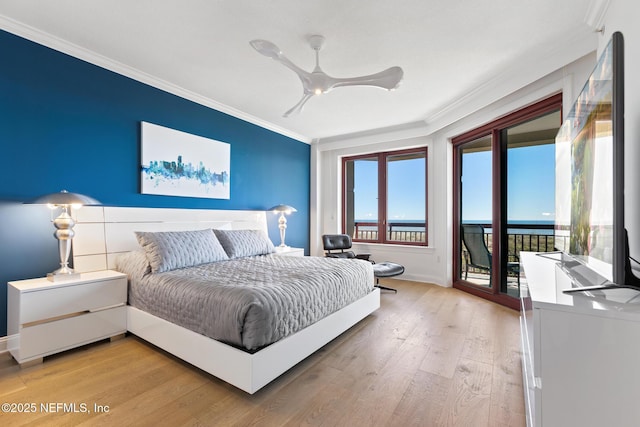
416,225
518,226
398,225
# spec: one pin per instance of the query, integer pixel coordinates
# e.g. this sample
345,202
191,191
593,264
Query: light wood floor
430,356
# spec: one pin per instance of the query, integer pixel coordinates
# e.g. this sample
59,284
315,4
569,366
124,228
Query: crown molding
531,69
48,40
596,14
373,136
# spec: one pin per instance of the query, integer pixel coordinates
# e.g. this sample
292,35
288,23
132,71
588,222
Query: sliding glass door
504,182
476,210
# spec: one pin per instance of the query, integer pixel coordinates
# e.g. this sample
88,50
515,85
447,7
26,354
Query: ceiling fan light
318,91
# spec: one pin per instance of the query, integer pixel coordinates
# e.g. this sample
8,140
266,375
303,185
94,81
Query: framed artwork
176,163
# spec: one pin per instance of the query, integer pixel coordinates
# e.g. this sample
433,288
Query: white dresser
48,317
580,352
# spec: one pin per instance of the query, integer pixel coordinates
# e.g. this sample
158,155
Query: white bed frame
104,232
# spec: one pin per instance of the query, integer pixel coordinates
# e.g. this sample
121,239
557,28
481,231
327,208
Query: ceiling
199,49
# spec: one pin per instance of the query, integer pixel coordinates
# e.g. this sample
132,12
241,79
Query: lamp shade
283,208
64,198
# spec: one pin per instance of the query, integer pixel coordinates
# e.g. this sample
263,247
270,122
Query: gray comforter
247,302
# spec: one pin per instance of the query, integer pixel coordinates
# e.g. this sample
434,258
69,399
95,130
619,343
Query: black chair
478,255
338,245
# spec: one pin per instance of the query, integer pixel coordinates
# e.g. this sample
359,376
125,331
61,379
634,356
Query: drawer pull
54,319
68,316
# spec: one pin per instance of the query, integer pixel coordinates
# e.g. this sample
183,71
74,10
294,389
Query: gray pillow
243,243
133,264
168,250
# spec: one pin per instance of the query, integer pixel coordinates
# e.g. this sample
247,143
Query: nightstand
47,317
289,251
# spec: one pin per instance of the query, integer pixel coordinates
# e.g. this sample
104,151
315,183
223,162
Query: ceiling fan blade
266,48
388,79
317,81
272,51
298,107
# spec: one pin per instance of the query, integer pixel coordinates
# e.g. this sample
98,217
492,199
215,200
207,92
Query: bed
248,359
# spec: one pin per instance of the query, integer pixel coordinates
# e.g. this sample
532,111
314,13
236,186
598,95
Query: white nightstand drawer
46,303
48,338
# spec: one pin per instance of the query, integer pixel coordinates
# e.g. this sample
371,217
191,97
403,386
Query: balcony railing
520,237
397,231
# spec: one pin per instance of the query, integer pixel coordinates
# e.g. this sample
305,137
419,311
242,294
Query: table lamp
64,227
282,221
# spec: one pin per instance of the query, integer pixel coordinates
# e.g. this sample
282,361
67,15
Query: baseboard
419,278
4,344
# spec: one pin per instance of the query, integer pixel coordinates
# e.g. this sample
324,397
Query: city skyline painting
175,163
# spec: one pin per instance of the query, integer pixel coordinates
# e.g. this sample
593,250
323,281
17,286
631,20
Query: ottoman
387,269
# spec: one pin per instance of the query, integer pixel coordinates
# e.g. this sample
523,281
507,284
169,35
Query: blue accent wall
68,124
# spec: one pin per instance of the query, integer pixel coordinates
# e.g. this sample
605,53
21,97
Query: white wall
433,263
622,16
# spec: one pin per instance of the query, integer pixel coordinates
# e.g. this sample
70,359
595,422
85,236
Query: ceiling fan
318,82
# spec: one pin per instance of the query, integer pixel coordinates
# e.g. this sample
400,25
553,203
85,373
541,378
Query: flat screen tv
589,225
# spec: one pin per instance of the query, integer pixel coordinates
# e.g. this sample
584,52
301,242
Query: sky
530,187
406,194
530,184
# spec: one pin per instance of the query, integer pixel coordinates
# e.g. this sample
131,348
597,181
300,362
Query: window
385,197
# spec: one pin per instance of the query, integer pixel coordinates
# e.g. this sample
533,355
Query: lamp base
62,274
